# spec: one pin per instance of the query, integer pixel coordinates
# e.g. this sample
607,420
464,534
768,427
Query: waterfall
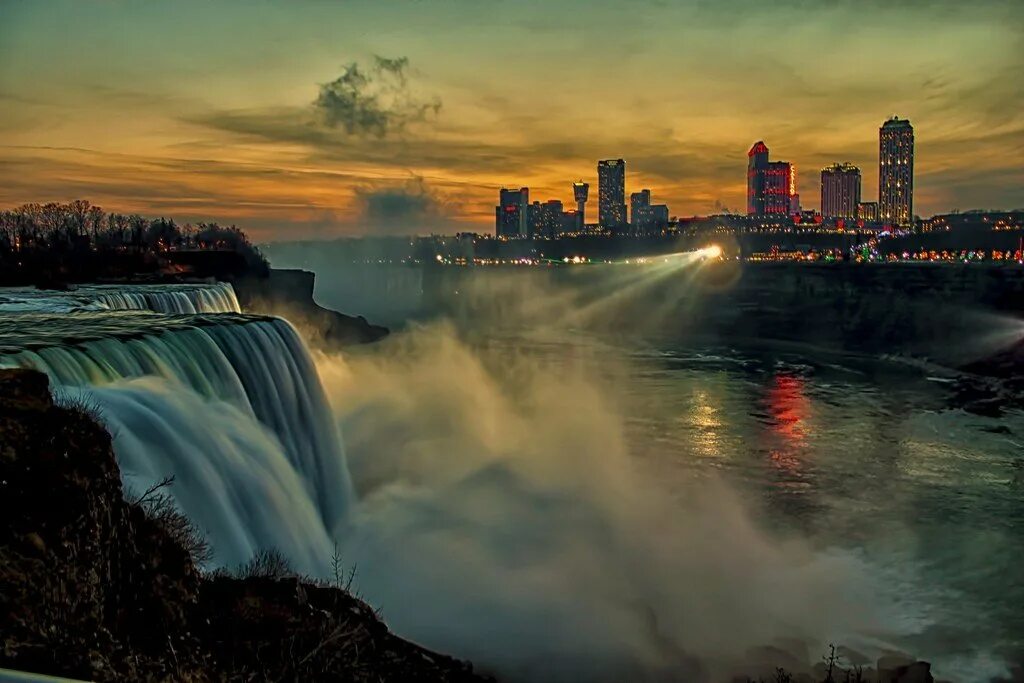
232,477
269,471
218,298
177,299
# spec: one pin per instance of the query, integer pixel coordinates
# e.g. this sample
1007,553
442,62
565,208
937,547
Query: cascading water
178,299
269,471
232,477
219,298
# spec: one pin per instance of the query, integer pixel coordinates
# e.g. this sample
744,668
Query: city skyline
231,117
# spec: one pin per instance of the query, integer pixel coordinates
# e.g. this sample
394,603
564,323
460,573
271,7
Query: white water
219,298
232,477
236,411
175,299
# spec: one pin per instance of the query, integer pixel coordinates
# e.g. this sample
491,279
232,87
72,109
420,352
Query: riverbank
100,587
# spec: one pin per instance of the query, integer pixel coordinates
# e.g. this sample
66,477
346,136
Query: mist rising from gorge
502,518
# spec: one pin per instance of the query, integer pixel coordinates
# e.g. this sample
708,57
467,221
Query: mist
502,519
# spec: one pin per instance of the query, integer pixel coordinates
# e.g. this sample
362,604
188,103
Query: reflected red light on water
789,409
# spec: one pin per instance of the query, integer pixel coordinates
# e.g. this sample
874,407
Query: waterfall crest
216,298
257,476
173,299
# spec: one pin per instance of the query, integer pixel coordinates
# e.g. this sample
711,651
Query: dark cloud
372,101
403,209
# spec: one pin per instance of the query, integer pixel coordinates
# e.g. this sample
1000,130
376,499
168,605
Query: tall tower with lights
896,172
611,195
581,190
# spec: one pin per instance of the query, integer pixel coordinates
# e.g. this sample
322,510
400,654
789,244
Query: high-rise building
658,220
545,219
639,211
510,215
646,218
611,194
840,191
780,189
757,164
896,172
580,191
771,185
571,223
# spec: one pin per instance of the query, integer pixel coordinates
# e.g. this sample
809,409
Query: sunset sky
250,112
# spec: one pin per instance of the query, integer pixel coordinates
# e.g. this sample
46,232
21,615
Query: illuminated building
646,218
659,218
771,185
544,220
757,164
868,211
510,216
840,191
896,172
639,211
611,194
779,188
580,191
571,223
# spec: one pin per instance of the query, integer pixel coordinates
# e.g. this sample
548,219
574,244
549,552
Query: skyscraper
840,191
510,215
580,190
757,164
896,172
639,211
611,194
771,185
544,219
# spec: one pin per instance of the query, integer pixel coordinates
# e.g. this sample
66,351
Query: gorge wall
289,294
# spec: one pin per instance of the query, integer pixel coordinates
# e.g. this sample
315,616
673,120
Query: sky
306,119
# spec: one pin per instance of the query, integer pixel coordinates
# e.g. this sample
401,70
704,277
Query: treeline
68,238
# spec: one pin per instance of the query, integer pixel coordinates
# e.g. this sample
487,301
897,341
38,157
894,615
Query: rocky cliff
289,294
94,586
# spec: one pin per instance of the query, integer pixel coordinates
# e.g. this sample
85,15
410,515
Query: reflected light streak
789,410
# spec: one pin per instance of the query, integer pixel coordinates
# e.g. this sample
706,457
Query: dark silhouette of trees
64,238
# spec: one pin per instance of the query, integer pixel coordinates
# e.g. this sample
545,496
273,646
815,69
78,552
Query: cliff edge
289,294
94,586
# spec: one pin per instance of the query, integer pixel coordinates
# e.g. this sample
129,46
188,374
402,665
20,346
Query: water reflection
788,412
706,425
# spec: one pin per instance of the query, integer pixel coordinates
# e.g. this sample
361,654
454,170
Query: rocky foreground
94,586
